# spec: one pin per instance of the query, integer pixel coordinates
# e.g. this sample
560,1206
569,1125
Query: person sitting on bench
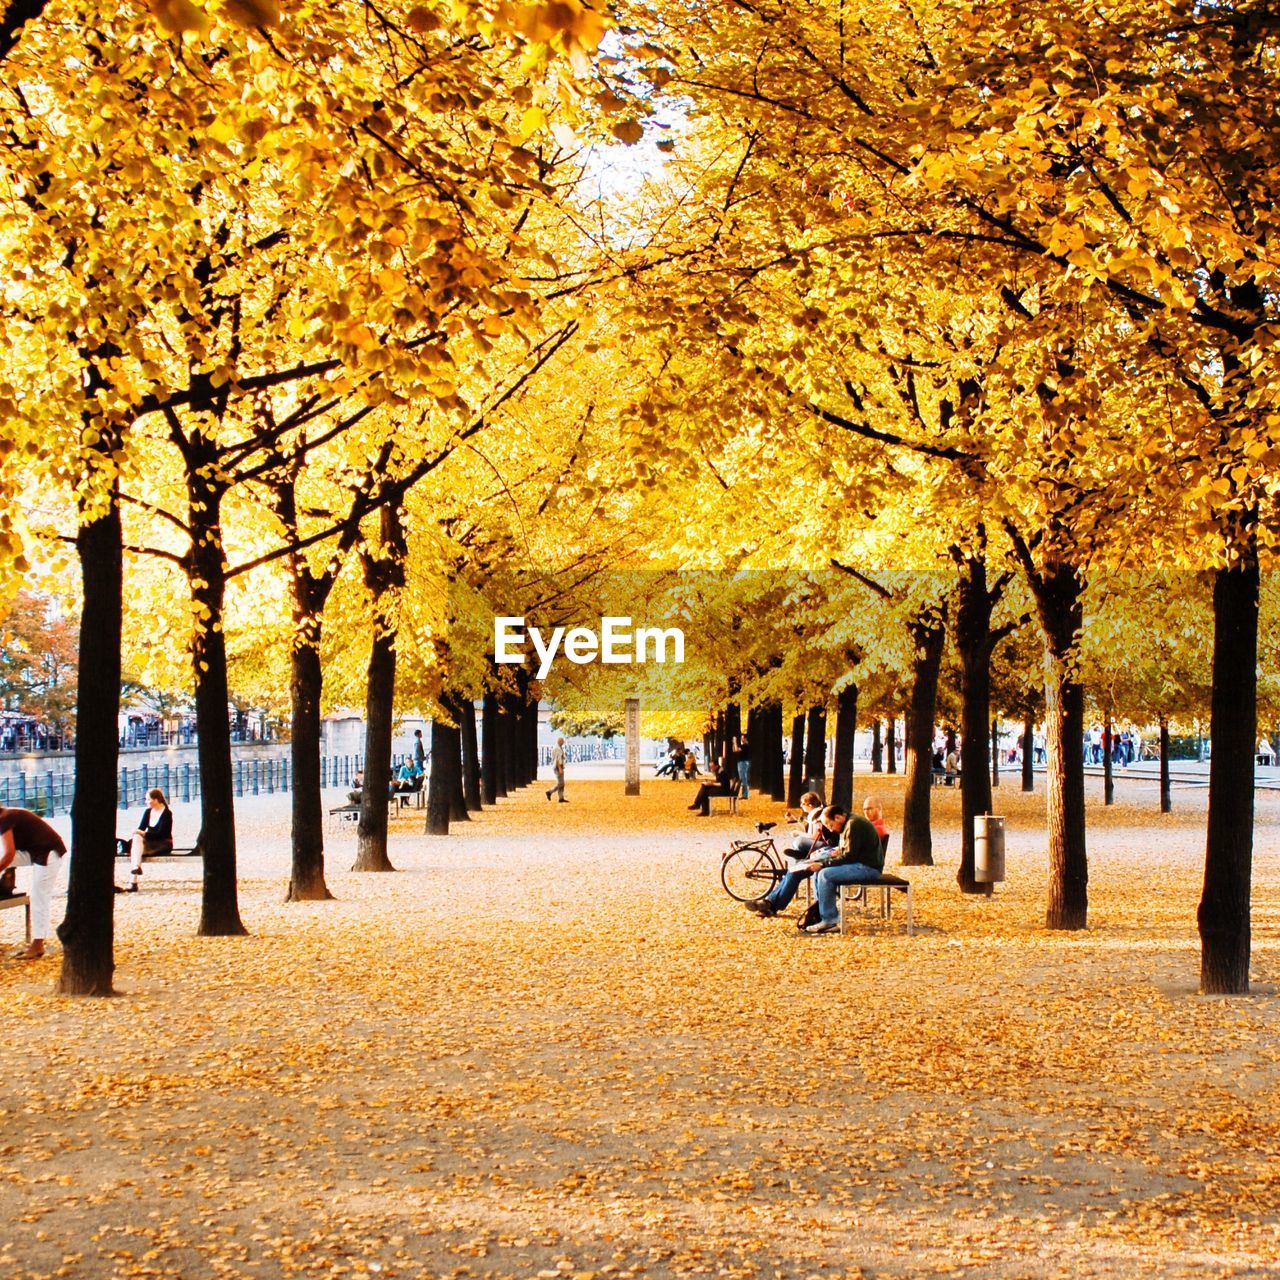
823,845
858,860
27,840
154,836
810,817
722,786
873,811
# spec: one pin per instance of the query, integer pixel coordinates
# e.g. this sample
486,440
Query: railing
51,793
577,754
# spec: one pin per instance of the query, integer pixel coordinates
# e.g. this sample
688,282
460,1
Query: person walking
27,840
419,751
557,765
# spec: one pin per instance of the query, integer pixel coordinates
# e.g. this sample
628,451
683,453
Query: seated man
722,786
873,811
824,845
357,788
690,765
859,860
27,840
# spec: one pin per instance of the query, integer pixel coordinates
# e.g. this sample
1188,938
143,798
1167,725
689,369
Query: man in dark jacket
859,860
722,786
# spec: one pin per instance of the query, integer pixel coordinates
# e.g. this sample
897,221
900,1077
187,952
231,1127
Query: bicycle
751,868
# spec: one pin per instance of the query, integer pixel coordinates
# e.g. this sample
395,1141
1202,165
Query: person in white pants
27,840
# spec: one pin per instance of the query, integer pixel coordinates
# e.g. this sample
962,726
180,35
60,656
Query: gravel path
550,1045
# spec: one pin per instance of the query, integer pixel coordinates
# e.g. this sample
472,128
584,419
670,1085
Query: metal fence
51,793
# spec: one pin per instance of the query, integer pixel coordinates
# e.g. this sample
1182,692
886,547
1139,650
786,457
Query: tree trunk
995,753
891,745
1224,911
471,789
441,785
1029,752
1166,786
491,773
507,740
973,640
371,837
383,570
775,781
795,778
877,748
306,880
846,728
531,742
1058,591
815,752
929,637
219,907
756,748
1108,769
87,931
732,726
453,744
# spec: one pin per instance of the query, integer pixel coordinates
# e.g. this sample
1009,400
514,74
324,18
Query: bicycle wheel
749,873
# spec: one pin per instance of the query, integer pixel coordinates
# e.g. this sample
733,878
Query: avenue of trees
902,355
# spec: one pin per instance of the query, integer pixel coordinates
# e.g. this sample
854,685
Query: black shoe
563,800
548,795
762,908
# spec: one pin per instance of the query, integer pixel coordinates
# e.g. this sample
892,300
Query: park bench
19,900
888,886
735,787
178,853
416,791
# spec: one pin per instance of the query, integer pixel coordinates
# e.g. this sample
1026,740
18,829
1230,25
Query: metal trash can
988,848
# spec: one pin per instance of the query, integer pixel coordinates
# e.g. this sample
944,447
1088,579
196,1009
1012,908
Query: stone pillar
633,746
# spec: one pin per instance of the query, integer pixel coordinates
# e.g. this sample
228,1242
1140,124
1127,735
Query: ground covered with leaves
551,1046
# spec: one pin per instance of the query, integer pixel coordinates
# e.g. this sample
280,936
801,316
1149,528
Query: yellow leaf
420,20
253,13
180,16
629,131
390,280
532,120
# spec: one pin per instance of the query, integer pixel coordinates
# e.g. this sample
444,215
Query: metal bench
19,900
175,854
888,886
735,788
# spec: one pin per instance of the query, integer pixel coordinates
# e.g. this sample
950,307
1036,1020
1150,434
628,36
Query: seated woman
154,835
809,817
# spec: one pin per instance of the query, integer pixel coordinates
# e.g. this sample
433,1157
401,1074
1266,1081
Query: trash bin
988,848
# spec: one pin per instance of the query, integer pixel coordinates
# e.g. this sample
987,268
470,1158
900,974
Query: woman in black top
153,836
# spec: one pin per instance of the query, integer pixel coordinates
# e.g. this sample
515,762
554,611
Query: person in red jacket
27,840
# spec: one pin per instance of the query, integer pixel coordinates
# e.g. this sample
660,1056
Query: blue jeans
744,777
779,897
829,879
